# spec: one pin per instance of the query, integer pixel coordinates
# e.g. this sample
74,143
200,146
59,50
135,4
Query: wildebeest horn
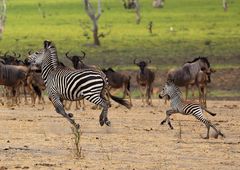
15,54
19,55
68,56
29,52
134,61
82,57
6,53
149,60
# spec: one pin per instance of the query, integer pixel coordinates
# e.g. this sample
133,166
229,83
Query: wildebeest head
142,64
75,58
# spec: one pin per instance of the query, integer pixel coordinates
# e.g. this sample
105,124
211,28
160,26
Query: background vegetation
182,30
199,27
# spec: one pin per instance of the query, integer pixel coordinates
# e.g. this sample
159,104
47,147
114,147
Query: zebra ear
169,81
46,43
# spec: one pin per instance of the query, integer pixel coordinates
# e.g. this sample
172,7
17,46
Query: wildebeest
201,81
12,77
187,73
118,80
145,78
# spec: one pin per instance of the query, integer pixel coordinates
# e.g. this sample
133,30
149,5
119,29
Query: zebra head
169,91
37,57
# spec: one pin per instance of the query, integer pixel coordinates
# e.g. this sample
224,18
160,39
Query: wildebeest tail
37,90
121,101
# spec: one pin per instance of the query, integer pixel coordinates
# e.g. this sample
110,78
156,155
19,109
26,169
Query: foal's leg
167,119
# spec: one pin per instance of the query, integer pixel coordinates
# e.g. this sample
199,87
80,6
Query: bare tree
3,9
137,9
94,18
158,3
225,5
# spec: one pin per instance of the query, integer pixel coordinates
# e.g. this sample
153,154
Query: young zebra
173,93
67,84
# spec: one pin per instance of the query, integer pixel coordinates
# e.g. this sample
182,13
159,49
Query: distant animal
201,81
145,78
66,84
78,63
187,74
178,105
118,80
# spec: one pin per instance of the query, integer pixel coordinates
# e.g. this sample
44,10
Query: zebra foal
67,84
178,105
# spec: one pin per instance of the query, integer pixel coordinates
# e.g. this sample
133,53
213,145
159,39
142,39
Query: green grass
201,27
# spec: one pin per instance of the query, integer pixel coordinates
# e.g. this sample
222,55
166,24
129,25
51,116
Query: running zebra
67,84
173,93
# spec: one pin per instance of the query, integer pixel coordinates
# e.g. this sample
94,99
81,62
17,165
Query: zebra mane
204,59
49,46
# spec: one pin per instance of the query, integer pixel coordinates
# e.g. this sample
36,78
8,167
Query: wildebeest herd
42,70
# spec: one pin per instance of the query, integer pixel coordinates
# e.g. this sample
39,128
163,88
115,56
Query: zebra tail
121,101
211,113
37,90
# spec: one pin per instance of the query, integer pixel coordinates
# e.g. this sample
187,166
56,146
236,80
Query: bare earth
31,138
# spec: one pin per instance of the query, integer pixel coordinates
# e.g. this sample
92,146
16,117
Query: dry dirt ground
31,138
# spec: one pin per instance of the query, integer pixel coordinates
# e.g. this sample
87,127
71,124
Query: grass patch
198,28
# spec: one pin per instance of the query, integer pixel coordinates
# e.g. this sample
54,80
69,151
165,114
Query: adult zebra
173,93
67,84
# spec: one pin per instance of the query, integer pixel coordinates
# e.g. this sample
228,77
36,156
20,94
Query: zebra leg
60,109
103,116
208,124
167,119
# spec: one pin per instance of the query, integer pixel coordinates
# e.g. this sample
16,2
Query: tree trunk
91,13
95,34
138,15
3,10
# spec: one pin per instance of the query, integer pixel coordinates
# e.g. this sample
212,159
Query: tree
137,10
94,18
3,16
158,3
225,5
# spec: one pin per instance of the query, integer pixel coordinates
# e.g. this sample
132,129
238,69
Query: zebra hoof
101,122
77,126
206,137
162,122
108,123
70,115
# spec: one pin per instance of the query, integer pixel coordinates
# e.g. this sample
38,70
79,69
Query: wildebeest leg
141,88
60,109
167,119
186,87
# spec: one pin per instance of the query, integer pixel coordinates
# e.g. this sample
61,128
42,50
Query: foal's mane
204,59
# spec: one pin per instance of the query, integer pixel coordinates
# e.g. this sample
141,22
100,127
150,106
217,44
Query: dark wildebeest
118,80
145,78
187,74
11,77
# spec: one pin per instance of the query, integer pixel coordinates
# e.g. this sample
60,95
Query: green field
200,27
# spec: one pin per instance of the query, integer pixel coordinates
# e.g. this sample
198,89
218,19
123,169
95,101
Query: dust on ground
32,138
